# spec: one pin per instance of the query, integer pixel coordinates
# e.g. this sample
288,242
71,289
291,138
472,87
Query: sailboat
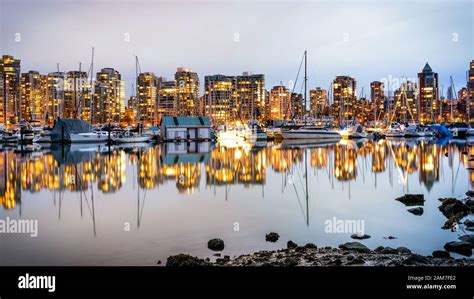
309,131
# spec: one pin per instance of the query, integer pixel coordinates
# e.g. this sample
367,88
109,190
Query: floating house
185,128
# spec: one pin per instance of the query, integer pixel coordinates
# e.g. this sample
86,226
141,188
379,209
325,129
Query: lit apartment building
319,104
187,91
166,98
218,91
33,96
405,108
279,103
55,96
470,87
147,97
344,94
362,110
377,97
428,103
249,97
109,97
10,96
297,108
76,95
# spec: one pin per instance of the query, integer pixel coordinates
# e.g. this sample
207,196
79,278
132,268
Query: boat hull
310,134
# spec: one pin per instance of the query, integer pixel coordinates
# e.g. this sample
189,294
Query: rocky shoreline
348,254
355,253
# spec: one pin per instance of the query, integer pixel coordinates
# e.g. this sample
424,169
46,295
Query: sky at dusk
369,40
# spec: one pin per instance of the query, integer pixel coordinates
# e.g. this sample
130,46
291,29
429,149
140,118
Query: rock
403,250
360,237
390,238
337,262
217,254
356,261
272,237
418,211
469,223
356,246
389,250
470,204
468,239
290,262
311,246
291,244
207,259
215,244
450,223
159,262
185,260
300,249
463,248
415,259
441,254
453,207
411,199
379,249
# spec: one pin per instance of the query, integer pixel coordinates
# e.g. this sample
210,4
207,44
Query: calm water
138,205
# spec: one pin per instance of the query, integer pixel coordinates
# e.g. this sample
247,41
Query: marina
90,191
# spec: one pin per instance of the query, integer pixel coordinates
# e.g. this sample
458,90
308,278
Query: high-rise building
405,102
377,96
279,103
148,85
249,96
33,96
167,98
55,96
109,97
470,87
297,105
344,95
11,94
76,95
428,103
318,99
187,91
218,91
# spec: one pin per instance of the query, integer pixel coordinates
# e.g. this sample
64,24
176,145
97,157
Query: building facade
218,100
377,98
318,102
344,95
428,103
11,95
187,91
279,103
249,97
109,97
147,95
33,96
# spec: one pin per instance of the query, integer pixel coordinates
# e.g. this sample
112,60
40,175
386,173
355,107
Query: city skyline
239,38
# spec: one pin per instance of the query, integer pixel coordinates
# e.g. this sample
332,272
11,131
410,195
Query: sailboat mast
305,78
91,98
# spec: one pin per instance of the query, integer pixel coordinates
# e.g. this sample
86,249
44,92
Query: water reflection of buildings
183,164
236,165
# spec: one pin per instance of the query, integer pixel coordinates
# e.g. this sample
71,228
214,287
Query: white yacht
310,132
132,137
91,137
354,132
395,130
